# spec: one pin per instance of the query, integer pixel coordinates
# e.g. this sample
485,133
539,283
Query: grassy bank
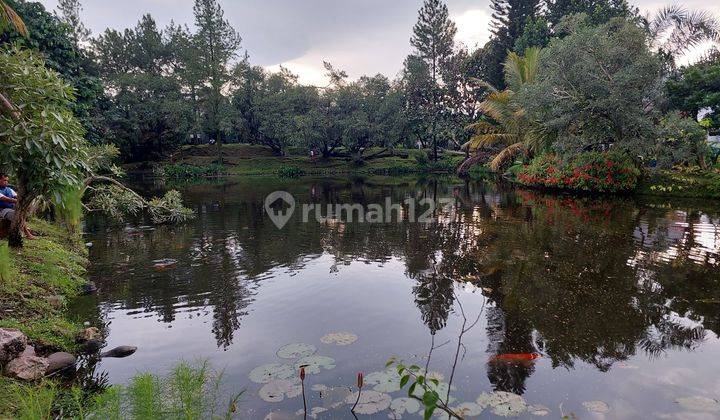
193,162
37,281
682,183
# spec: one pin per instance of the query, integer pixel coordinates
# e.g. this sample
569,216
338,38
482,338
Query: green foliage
59,47
591,171
535,33
683,182
5,262
697,87
190,391
169,209
682,141
598,11
422,388
184,172
115,202
598,87
290,172
34,402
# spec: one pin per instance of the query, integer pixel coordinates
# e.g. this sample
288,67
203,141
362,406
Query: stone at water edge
29,351
59,361
120,352
27,368
91,347
90,333
12,343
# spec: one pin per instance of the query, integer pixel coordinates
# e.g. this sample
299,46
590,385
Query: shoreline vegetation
195,163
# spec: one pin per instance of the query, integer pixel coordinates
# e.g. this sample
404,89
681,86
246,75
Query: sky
358,36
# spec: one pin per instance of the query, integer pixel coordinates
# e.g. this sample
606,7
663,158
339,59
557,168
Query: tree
148,116
216,45
597,11
9,19
43,145
55,40
696,88
508,123
536,33
674,30
69,13
599,87
433,43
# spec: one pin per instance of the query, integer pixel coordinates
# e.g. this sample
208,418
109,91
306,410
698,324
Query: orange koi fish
515,357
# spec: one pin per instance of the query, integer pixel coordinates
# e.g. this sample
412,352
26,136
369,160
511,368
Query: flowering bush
592,171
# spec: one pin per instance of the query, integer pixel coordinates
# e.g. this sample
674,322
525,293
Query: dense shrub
183,172
592,171
290,172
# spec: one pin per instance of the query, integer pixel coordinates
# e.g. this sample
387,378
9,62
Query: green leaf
421,379
435,381
412,389
429,412
404,380
430,398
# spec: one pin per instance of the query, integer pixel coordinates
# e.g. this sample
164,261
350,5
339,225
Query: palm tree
504,120
674,30
10,19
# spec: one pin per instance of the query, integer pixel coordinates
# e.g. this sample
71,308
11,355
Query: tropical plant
10,19
505,119
674,30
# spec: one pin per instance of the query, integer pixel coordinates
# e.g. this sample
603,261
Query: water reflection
580,280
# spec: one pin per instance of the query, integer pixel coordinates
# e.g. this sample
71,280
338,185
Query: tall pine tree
217,44
599,11
433,43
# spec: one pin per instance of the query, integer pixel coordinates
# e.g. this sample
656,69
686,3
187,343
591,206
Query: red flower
302,373
360,380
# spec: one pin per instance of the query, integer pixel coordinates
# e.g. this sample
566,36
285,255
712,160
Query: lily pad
596,406
467,409
313,414
400,406
698,403
334,397
339,338
501,403
319,387
280,415
538,410
295,350
266,373
314,364
371,402
277,389
385,381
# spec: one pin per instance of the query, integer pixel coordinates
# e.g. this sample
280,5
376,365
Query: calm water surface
620,296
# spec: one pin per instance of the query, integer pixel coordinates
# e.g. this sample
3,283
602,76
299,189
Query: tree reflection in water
593,280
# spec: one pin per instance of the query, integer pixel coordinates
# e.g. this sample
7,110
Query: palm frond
490,139
10,18
675,30
507,155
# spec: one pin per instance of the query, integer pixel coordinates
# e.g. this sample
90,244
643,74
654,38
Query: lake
598,307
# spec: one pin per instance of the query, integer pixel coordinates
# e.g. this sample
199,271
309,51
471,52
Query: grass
244,159
52,265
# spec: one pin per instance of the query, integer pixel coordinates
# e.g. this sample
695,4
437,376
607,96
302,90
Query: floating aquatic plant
370,402
467,409
385,381
295,350
538,410
265,373
332,397
501,403
339,338
313,414
400,406
699,403
596,406
277,389
314,364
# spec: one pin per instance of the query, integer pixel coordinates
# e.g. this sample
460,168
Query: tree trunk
22,210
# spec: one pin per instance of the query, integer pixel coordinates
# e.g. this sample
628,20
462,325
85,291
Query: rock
89,288
120,352
59,361
12,343
27,368
56,301
90,333
29,351
91,346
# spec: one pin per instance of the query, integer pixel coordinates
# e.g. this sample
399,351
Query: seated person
8,199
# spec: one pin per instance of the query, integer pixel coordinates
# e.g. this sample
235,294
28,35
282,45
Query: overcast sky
359,36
